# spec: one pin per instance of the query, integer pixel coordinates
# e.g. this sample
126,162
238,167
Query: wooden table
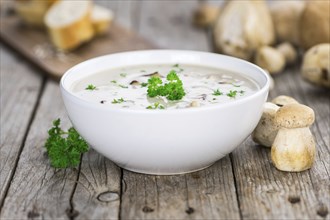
243,185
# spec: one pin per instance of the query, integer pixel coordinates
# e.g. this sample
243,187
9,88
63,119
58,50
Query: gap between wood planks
235,184
32,116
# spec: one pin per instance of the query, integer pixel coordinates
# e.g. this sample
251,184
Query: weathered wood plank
97,195
207,194
267,193
126,12
37,190
169,25
17,103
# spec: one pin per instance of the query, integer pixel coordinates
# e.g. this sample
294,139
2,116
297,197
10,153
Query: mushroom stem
266,130
293,149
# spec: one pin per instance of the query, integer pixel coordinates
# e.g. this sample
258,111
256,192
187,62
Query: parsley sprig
64,149
217,92
232,94
90,87
173,90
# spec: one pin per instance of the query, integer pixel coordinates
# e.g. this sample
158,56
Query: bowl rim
262,90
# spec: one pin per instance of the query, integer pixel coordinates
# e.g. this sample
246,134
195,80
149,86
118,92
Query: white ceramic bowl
168,141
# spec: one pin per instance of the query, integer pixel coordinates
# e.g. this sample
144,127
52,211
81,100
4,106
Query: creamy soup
130,87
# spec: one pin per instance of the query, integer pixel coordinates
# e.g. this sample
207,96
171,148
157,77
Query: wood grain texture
169,25
17,103
283,195
97,195
35,45
38,190
206,194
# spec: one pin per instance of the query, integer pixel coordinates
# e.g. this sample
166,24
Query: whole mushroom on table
316,65
267,129
293,149
284,126
270,33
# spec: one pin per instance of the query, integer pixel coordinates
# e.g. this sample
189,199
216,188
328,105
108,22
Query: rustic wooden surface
243,185
35,45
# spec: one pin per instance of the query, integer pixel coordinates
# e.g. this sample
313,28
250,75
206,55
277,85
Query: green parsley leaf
154,86
217,92
176,65
236,85
242,92
117,101
232,93
90,87
114,81
123,74
64,149
156,105
173,90
144,84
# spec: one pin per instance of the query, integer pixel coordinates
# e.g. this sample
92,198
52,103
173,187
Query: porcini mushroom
286,17
283,100
315,24
206,15
266,130
316,65
242,27
293,149
288,51
270,59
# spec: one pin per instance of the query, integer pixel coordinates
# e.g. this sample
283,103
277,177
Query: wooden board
35,45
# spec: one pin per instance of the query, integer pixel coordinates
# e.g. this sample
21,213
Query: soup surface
129,87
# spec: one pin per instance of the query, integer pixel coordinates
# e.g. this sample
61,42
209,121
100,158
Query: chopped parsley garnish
217,92
64,149
114,81
156,105
123,86
90,87
144,84
176,65
214,99
117,101
173,90
232,93
242,92
123,74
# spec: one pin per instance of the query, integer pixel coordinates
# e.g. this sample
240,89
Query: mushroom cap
283,100
270,58
316,65
288,51
294,116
